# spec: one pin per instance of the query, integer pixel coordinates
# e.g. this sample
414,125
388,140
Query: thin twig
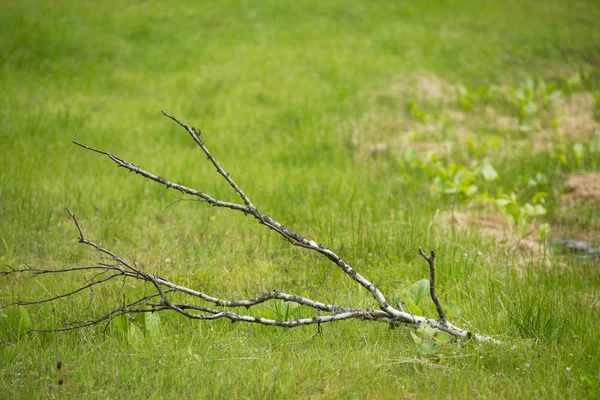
183,189
195,134
431,261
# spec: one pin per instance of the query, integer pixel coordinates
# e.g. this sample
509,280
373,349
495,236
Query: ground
370,128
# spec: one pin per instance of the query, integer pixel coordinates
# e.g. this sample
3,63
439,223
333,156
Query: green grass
291,98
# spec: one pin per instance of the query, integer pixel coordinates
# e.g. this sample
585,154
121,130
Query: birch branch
197,308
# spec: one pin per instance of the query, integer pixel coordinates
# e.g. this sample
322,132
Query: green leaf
416,339
543,231
121,323
25,318
426,349
470,190
532,210
418,291
452,309
425,330
152,324
442,337
413,308
513,210
539,210
19,320
538,196
502,202
488,172
135,335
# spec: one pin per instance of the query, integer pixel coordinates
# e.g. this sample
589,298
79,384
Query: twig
431,261
195,134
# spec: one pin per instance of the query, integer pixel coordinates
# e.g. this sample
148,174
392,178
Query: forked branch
199,306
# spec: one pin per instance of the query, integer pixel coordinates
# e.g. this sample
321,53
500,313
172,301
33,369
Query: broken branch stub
202,306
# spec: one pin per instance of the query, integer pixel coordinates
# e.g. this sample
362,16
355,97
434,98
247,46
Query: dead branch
160,300
431,261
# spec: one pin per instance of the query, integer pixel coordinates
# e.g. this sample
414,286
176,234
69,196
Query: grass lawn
471,128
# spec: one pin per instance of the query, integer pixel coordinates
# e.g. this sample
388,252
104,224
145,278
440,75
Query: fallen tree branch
118,267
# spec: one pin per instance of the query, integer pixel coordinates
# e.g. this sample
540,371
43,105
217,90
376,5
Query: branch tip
438,306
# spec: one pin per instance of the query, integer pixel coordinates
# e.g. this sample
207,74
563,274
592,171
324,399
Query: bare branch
125,309
197,309
195,134
288,234
431,261
60,296
170,185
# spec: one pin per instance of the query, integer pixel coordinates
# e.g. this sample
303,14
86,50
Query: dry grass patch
498,228
427,113
425,88
578,112
582,188
580,201
391,129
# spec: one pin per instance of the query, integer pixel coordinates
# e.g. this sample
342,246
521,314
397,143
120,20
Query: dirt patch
456,116
498,228
592,300
501,122
542,141
424,88
390,129
397,146
421,112
492,225
578,113
582,188
577,218
433,88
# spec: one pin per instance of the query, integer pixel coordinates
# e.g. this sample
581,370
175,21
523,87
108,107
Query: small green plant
573,155
457,179
18,320
467,98
416,111
9,255
416,293
520,213
573,83
429,340
531,98
285,310
484,147
135,329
